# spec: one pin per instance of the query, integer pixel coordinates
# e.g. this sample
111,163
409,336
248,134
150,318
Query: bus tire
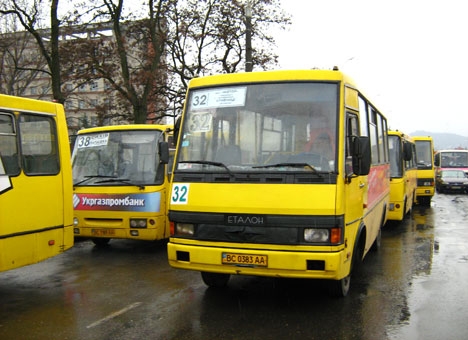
339,288
377,242
101,242
425,201
215,280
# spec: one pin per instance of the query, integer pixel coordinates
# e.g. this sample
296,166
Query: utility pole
248,37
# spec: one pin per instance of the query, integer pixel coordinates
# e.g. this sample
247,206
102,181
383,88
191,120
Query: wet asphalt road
415,287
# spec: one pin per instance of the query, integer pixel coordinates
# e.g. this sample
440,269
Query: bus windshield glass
117,158
454,159
254,127
394,146
424,154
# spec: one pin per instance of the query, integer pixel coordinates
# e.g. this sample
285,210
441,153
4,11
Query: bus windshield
424,154
253,127
117,158
396,166
454,159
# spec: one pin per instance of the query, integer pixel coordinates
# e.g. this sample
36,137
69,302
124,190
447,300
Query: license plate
102,232
245,259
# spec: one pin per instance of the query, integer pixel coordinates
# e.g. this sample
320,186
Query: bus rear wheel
215,280
425,201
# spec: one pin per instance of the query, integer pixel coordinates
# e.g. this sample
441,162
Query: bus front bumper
258,262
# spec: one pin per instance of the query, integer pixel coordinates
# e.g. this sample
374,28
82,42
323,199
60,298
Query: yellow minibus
120,182
426,171
279,174
403,174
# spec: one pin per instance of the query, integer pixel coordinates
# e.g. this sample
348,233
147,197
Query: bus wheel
215,280
339,288
378,241
425,201
101,242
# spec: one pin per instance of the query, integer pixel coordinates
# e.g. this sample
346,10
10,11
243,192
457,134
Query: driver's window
352,129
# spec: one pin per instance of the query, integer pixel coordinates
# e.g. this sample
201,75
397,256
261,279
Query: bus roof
26,104
126,127
452,150
422,138
266,76
400,134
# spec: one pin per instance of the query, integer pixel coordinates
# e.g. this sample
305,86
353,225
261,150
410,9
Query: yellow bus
280,174
403,175
36,211
120,182
426,171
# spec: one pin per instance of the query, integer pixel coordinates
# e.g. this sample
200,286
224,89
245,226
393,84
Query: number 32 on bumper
179,194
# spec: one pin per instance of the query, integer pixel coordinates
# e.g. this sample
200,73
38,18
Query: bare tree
209,36
47,40
131,62
151,57
18,68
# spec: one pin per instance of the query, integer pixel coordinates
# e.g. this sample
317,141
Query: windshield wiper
87,178
293,165
222,165
120,180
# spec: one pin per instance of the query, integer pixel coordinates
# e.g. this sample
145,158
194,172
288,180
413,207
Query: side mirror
407,152
361,155
163,152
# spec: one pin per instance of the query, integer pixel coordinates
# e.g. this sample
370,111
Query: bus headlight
75,221
138,223
184,229
323,235
315,235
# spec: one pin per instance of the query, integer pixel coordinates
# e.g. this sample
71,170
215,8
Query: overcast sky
409,57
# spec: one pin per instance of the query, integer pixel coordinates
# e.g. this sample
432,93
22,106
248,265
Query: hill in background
444,140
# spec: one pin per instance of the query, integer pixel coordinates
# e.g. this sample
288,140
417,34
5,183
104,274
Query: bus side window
8,145
39,145
10,164
352,129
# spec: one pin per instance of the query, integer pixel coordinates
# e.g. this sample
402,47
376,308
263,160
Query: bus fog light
316,235
134,232
76,230
185,229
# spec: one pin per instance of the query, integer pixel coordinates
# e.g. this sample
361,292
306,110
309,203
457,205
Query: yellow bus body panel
428,190
402,194
402,189
36,214
261,198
